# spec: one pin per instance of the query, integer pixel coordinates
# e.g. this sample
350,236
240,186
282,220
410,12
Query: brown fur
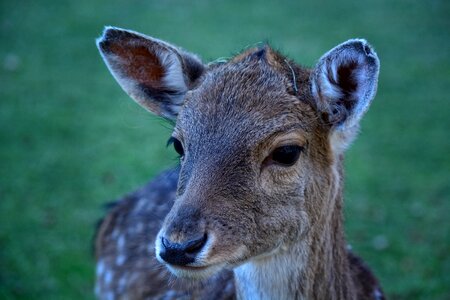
279,228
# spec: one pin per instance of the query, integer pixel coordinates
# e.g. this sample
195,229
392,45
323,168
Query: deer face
257,136
244,144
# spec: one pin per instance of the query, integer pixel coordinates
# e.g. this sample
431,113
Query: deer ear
154,73
344,82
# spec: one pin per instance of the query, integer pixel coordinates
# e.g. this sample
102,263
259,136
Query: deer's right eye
176,145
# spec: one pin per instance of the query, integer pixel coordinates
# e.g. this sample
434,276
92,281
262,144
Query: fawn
254,211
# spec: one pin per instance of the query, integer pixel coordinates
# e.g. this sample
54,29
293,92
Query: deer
254,209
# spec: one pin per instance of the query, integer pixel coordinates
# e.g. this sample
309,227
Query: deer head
259,137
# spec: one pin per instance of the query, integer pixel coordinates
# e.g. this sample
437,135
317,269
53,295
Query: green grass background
70,139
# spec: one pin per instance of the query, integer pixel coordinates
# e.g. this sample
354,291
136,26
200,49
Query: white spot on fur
120,259
121,242
170,294
377,294
100,268
109,296
108,277
140,206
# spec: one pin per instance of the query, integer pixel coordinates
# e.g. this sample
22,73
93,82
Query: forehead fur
256,91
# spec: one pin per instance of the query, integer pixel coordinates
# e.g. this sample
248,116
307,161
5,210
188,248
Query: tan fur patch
143,65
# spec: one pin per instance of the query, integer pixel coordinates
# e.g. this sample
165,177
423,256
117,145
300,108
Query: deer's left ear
344,82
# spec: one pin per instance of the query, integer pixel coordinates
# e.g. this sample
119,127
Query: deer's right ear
154,73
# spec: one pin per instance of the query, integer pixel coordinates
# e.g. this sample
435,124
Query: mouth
191,268
194,272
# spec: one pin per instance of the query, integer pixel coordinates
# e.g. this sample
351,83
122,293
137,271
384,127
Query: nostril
195,245
166,243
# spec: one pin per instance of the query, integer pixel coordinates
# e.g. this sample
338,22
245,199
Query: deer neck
276,276
314,267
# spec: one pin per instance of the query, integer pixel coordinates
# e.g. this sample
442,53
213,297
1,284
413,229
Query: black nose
181,254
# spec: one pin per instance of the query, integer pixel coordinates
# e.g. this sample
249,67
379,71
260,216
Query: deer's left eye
286,155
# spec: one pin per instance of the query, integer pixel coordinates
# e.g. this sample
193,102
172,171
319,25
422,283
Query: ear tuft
344,83
154,73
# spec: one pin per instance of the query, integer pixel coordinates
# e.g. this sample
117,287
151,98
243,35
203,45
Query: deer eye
286,155
176,145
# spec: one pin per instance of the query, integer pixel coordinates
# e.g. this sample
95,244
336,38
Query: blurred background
71,140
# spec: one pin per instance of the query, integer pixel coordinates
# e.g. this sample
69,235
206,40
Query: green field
71,140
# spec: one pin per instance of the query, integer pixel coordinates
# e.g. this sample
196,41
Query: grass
70,139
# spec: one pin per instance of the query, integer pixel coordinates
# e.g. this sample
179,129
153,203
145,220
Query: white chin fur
190,273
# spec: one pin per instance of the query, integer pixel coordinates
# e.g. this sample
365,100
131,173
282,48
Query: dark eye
176,145
286,155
